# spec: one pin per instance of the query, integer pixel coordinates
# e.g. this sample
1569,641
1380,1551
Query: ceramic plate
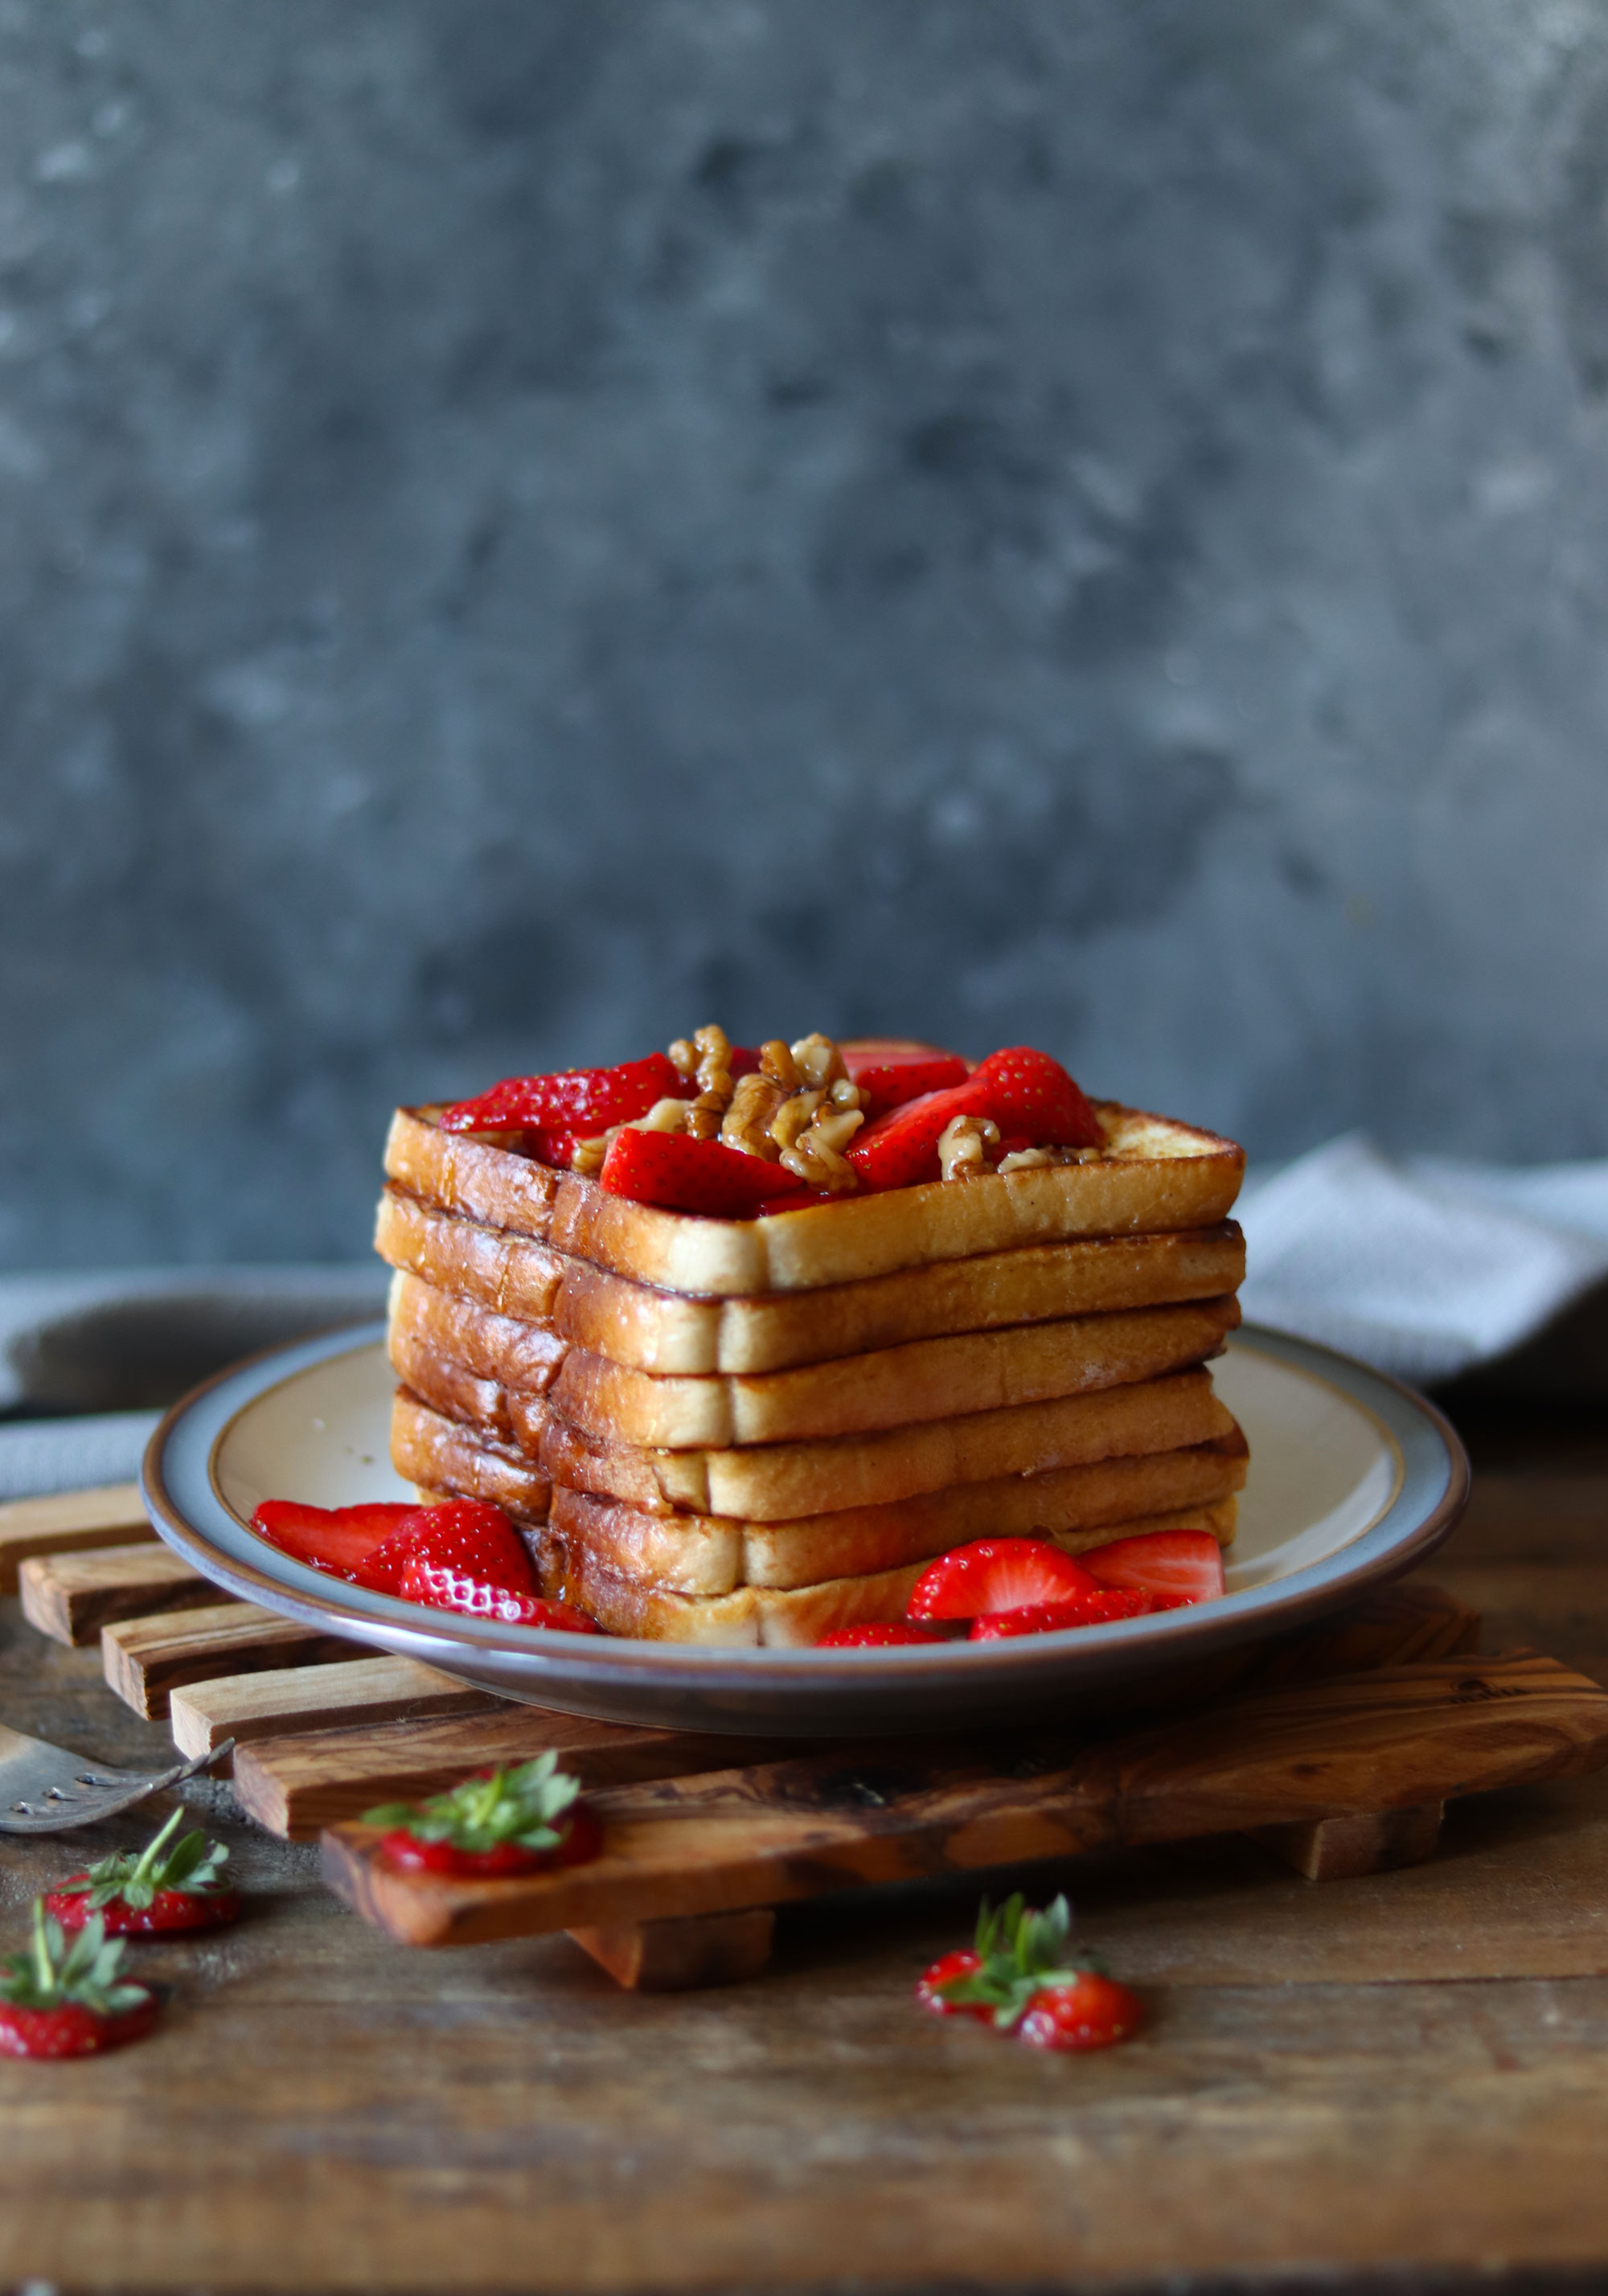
1353,1479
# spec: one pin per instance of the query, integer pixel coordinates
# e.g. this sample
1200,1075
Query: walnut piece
962,1145
747,1122
714,1074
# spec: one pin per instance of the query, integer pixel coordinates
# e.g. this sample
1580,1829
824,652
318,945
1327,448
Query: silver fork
45,1790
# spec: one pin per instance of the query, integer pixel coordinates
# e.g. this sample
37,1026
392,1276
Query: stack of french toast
731,1418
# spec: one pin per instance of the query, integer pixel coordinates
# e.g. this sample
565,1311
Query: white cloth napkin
1422,1265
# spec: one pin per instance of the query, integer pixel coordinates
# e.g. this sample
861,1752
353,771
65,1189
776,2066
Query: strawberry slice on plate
1030,1096
62,2000
1181,1566
887,1635
1096,1609
997,1574
164,1888
337,1539
680,1173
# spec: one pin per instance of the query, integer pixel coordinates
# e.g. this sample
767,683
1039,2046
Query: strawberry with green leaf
164,1887
1024,1976
497,1824
61,2000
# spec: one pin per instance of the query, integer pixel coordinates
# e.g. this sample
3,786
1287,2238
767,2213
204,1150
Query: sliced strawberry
880,1637
1089,2012
477,1598
1091,1610
862,1053
684,1175
574,1103
1186,1566
900,1150
64,1998
890,1083
1029,1095
459,1556
962,1962
337,1539
997,1574
171,1885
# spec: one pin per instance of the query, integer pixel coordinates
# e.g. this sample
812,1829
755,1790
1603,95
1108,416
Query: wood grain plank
783,1831
70,1597
682,1957
294,1785
332,1696
146,1660
112,1513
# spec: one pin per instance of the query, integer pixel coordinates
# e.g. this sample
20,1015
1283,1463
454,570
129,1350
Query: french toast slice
438,1454
775,1482
767,1617
521,1282
893,1387
1152,1175
712,1554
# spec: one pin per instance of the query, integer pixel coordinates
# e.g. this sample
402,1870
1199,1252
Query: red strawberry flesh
1185,1565
883,1636
1096,1609
336,1539
997,1574
572,1104
169,1910
1092,2013
72,2029
680,1173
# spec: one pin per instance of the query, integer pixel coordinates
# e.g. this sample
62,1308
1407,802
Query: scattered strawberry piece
1091,2012
477,1599
337,1539
61,2000
684,1175
1183,1565
574,1103
162,1890
997,1574
1028,1094
502,1822
880,1637
948,1969
890,1084
1024,1976
1092,1610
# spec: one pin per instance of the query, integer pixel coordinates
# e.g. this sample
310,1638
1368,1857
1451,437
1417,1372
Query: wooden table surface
1408,2071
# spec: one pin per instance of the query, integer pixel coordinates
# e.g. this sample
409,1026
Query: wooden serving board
1336,1748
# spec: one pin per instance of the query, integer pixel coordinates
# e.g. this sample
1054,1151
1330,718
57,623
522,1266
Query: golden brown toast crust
670,1335
712,1554
436,1454
507,1349
1154,1175
776,1482
895,1387
777,1619
511,1275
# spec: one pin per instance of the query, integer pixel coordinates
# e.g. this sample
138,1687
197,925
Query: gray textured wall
529,526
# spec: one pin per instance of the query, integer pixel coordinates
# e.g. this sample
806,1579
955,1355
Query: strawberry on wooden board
1091,2012
1024,1976
337,1539
997,1574
1186,1566
882,1635
61,2000
680,1173
164,1888
1096,1609
576,1103
497,1824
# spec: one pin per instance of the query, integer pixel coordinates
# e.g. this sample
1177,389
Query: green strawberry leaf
53,1973
1020,1952
192,1864
521,1806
